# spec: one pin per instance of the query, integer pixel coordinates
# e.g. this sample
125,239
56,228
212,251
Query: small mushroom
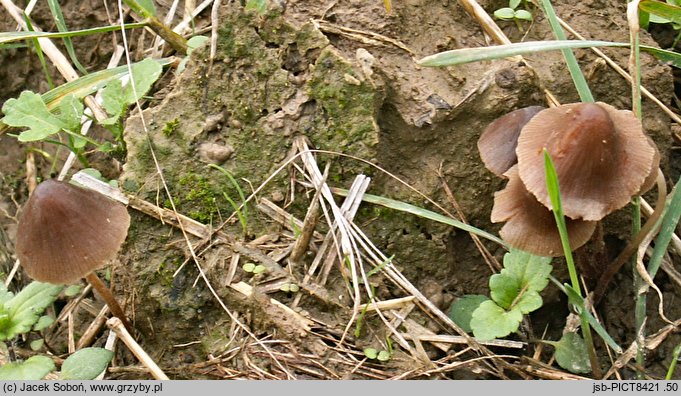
498,141
530,226
601,156
66,233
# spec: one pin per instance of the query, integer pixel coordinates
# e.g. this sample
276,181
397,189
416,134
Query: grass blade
670,219
426,214
61,26
39,52
467,55
570,59
664,10
7,37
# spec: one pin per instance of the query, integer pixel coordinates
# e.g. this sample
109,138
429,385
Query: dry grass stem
117,326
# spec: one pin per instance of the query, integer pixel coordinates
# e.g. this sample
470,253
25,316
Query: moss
170,127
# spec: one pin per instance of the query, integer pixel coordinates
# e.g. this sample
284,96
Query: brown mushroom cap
652,176
530,226
66,232
601,156
498,141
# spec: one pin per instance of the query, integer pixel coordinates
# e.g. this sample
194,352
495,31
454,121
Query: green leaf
461,311
669,12
73,290
371,353
383,356
514,4
505,14
259,269
490,321
571,353
116,97
70,112
34,368
504,289
113,100
529,269
524,15
43,322
248,267
5,295
258,5
519,283
86,364
195,42
29,111
26,307
148,5
37,344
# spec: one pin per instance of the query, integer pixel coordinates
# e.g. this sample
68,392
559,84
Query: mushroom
498,141
531,226
66,233
601,156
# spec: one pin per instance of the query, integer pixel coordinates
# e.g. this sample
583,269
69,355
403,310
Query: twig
117,326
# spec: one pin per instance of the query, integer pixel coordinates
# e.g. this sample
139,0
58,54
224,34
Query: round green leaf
490,321
37,344
371,353
248,267
383,356
461,310
571,354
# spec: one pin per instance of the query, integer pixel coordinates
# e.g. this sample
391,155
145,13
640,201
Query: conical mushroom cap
66,232
530,226
601,156
498,141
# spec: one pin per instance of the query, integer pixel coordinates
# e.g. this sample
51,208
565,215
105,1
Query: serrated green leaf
113,100
29,111
26,307
34,368
86,364
461,311
43,322
571,353
70,111
523,14
490,321
145,74
505,14
530,270
371,353
116,97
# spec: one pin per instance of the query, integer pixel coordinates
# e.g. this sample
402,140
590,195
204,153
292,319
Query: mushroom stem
104,291
615,265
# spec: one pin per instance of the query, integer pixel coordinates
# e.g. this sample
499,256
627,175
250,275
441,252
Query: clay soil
339,76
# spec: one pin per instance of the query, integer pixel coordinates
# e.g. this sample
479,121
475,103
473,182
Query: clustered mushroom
602,158
67,232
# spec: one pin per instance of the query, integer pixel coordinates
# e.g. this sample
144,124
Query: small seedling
514,292
512,13
253,268
374,354
289,288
